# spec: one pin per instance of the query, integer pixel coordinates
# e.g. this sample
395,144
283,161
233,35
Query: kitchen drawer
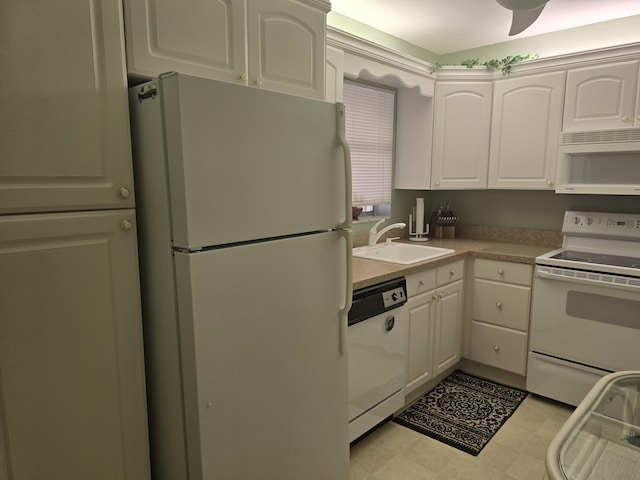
449,273
499,347
421,282
519,273
501,304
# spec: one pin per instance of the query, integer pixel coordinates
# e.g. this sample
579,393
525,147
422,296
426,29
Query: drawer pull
498,304
500,271
452,273
421,283
496,348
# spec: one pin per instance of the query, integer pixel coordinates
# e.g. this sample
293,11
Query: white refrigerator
244,212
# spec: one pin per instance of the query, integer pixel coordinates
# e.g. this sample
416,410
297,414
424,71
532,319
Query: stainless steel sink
401,253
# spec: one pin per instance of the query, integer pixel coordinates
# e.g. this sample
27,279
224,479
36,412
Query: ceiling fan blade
523,19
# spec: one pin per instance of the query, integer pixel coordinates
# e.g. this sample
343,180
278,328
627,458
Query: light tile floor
516,452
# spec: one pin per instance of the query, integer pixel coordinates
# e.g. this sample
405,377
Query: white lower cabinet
72,391
434,329
500,307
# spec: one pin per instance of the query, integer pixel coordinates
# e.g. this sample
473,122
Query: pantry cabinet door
203,38
72,403
64,120
286,45
462,119
525,131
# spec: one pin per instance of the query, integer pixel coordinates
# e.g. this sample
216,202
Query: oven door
583,326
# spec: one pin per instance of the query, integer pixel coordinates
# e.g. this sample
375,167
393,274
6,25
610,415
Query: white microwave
599,162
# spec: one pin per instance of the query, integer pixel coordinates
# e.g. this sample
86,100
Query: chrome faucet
374,236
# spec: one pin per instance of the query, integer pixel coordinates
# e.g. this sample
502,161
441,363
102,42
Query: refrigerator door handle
343,317
342,141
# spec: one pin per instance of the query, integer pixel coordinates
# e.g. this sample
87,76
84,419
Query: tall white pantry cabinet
72,392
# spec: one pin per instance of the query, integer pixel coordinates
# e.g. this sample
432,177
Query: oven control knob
576,220
589,220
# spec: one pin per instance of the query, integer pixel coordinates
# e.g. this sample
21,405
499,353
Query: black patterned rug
462,411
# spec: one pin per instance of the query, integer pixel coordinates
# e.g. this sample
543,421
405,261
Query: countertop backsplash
548,238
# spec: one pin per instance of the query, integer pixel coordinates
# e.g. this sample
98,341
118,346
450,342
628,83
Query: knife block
444,232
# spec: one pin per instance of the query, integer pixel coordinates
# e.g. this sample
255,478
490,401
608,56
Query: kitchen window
370,124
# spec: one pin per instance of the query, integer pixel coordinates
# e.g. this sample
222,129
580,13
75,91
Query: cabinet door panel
198,37
64,131
462,117
420,340
525,131
601,97
73,400
334,75
286,47
447,346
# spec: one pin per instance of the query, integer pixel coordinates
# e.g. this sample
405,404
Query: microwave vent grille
602,136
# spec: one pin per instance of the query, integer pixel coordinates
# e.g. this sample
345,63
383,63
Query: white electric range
585,314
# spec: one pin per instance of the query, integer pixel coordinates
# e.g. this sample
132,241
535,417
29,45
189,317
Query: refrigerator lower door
265,383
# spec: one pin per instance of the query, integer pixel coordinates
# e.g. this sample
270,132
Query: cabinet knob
243,77
434,298
625,119
452,273
437,183
421,283
498,304
549,183
500,271
258,82
496,348
126,225
439,296
124,192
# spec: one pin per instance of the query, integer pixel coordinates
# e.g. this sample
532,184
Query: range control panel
601,224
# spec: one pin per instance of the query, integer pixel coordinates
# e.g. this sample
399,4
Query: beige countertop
370,272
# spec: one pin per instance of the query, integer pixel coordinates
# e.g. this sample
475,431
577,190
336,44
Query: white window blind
369,114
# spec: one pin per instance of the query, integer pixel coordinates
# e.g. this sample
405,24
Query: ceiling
446,26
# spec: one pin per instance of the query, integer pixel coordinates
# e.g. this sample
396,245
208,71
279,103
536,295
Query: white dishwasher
376,355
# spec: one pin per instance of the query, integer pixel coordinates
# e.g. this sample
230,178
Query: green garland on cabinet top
504,64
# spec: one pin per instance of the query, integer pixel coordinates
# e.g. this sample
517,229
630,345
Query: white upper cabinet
334,79
278,45
64,119
462,119
525,131
602,97
413,140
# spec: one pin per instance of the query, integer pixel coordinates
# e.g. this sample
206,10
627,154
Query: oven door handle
586,281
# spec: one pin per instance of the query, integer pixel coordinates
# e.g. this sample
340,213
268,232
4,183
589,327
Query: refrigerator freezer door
265,382
247,164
